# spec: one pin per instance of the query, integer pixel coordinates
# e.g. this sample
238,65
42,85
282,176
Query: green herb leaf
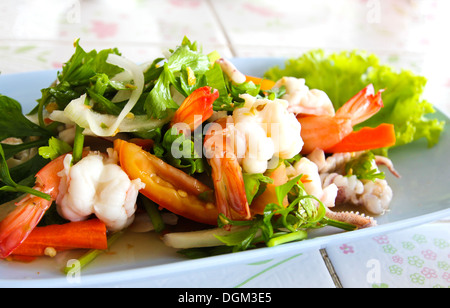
14,124
159,100
10,185
255,184
55,148
363,167
283,190
83,71
181,152
279,224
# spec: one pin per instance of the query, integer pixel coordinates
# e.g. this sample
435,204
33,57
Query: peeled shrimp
325,131
116,206
97,185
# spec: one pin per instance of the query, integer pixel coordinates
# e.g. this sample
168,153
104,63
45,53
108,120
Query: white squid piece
302,100
375,196
313,183
270,132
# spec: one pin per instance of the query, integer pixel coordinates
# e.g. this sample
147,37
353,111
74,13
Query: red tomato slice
166,185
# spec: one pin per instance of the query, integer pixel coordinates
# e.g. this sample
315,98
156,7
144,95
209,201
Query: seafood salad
190,147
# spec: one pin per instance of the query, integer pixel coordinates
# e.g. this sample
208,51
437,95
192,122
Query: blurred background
407,34
38,34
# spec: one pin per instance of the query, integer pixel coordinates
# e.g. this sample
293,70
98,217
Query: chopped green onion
78,145
90,256
286,238
155,215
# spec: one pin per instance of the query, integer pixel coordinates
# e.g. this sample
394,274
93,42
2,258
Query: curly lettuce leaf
342,75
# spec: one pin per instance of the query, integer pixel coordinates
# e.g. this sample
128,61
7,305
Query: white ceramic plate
420,196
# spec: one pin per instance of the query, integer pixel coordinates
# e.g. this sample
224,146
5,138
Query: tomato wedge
166,185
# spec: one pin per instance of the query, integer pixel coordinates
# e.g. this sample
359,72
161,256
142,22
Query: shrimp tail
362,106
16,227
230,195
324,132
231,199
196,108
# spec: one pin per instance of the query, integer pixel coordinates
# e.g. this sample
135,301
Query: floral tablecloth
38,35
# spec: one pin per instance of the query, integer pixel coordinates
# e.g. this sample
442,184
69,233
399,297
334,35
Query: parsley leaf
55,148
362,166
159,101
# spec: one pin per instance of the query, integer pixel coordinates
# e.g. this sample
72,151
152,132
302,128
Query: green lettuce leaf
342,75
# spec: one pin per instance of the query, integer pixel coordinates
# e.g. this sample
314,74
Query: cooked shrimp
16,227
231,199
325,131
78,191
97,185
196,108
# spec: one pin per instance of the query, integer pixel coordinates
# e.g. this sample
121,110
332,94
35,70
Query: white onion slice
102,124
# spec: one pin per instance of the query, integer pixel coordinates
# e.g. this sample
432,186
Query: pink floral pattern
186,3
382,239
429,254
446,276
397,259
346,249
429,273
104,29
